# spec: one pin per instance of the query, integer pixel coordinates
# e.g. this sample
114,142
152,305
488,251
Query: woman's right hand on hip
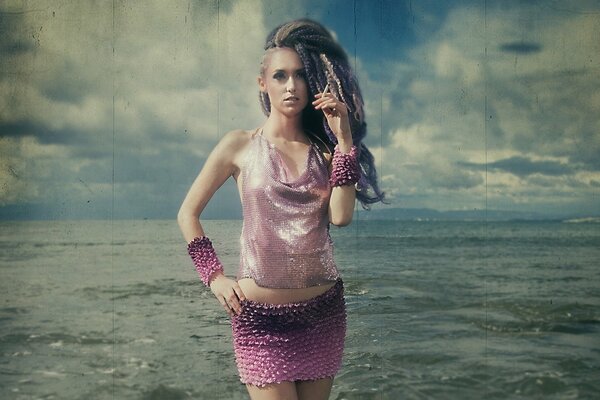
229,294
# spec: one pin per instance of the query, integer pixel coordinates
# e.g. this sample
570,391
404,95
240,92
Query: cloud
135,95
101,102
489,89
523,167
521,47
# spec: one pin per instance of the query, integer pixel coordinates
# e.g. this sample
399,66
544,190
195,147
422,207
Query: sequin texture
345,168
205,258
289,342
285,240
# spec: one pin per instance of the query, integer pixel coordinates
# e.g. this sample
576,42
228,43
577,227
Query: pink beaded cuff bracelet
345,169
205,258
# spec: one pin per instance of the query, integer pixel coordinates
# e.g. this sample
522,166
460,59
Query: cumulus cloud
134,94
523,167
493,90
115,107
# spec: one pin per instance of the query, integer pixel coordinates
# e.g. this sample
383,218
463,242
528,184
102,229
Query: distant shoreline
363,216
379,213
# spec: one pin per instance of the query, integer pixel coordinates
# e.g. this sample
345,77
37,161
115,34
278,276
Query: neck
284,127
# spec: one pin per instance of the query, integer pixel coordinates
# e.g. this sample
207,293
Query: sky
109,109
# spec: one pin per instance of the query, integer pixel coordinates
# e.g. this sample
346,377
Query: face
283,79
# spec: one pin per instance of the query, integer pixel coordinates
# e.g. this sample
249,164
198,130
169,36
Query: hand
229,294
336,114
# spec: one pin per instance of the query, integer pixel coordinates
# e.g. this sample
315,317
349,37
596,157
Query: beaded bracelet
345,169
205,258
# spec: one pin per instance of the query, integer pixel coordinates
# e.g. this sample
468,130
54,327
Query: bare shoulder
235,144
237,138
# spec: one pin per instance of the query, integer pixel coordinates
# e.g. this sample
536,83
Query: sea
436,310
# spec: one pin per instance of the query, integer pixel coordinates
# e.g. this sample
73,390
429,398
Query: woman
299,172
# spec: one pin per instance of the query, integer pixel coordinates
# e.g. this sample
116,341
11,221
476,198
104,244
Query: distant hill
429,214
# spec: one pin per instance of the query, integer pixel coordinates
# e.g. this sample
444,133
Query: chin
291,111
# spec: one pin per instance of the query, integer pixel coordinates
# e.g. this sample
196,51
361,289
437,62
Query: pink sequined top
285,240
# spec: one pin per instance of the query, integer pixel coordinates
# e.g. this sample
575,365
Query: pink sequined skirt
290,342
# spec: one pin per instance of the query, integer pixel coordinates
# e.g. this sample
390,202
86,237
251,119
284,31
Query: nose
291,85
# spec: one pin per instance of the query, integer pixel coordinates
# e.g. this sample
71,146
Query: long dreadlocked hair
325,62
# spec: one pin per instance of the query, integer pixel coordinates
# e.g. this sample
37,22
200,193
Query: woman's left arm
341,203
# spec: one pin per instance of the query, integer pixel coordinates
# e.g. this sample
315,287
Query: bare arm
219,166
341,203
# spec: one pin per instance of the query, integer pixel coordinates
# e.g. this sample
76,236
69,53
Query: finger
319,101
326,103
239,292
323,97
338,107
233,302
227,308
330,104
331,107
225,305
326,99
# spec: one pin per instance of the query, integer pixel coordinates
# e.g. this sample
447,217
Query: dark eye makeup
282,75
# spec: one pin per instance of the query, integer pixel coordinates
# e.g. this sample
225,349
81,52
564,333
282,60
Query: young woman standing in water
301,171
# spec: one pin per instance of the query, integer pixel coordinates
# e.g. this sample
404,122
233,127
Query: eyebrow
283,70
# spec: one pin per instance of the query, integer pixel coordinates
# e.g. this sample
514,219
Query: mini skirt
292,341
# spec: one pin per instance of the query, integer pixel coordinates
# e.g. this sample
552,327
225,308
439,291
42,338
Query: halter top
285,241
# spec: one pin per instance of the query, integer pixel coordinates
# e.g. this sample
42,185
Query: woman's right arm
222,163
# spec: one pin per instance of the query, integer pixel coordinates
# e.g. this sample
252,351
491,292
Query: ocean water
436,310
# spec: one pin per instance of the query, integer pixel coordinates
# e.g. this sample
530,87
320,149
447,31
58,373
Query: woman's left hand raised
336,114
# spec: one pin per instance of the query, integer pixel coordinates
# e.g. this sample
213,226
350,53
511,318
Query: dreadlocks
325,63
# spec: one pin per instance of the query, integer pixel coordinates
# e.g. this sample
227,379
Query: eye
301,74
278,75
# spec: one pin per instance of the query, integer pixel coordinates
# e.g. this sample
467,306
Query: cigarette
326,88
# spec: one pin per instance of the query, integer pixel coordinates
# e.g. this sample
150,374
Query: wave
537,317
166,287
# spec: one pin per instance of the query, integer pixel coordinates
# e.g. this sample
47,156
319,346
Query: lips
291,98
